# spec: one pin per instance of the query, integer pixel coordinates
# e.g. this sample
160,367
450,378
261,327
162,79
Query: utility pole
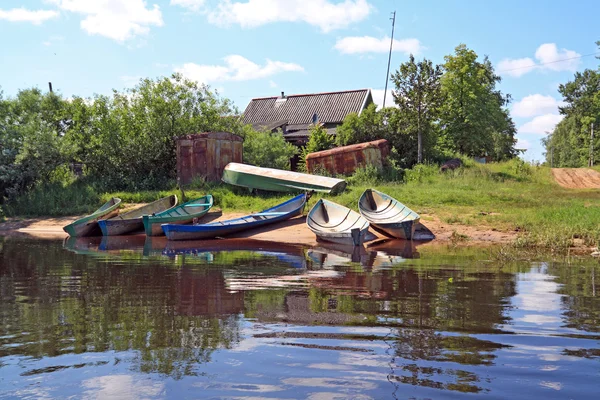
551,157
387,76
50,86
592,146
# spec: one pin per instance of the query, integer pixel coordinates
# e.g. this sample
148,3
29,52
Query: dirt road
577,178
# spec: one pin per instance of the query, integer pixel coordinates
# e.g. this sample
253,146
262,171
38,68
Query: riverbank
293,231
512,202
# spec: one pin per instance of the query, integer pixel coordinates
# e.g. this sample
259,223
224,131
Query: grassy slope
506,196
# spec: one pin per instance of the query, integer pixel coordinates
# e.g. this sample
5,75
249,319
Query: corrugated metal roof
305,133
299,109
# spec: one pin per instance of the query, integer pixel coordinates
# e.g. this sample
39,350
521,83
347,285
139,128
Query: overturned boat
278,180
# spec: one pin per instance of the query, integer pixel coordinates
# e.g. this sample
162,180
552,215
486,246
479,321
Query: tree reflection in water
423,322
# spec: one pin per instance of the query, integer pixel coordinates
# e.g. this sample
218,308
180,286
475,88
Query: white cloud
35,17
272,84
192,5
523,144
324,14
122,386
236,68
557,60
542,124
369,44
535,104
549,57
378,98
516,67
119,20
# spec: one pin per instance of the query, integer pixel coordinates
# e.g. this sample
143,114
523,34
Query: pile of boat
329,221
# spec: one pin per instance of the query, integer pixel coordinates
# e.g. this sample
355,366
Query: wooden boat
133,220
281,212
335,223
181,214
88,226
277,180
388,215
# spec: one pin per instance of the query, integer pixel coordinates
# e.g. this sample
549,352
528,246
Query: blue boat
281,212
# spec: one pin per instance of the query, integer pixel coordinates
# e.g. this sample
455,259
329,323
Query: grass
510,196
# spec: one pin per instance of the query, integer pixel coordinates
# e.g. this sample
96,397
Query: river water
141,318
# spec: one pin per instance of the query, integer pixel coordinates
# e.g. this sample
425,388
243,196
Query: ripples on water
143,318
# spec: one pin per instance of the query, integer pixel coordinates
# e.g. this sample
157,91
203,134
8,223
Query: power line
550,62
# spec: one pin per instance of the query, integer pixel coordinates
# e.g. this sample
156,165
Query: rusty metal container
344,160
206,154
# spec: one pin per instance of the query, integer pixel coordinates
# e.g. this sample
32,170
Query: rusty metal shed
206,154
344,160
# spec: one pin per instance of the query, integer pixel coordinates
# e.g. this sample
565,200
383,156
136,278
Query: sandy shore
293,231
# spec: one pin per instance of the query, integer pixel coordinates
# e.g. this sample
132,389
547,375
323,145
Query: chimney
283,95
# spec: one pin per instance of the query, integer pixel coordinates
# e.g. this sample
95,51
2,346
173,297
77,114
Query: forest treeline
570,144
124,141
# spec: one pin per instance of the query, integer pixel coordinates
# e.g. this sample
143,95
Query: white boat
338,224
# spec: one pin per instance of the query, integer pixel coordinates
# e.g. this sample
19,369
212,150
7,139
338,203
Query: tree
31,129
474,109
418,95
569,143
367,126
319,139
268,149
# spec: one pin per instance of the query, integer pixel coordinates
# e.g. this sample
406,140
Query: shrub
421,173
369,174
267,149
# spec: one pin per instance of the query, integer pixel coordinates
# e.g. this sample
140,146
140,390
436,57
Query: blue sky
253,48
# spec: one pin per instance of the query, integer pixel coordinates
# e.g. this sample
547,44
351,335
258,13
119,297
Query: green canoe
278,180
182,214
88,226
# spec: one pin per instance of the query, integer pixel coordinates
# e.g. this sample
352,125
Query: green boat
182,214
88,226
278,180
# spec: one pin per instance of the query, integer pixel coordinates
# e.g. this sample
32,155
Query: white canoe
388,215
338,224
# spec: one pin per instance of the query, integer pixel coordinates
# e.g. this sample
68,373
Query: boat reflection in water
379,254
207,249
110,321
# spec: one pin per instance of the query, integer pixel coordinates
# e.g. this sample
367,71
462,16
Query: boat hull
133,221
346,239
276,180
88,226
110,227
177,215
153,226
400,230
388,215
334,223
281,212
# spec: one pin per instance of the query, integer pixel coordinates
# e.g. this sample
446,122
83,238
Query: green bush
421,173
367,175
267,149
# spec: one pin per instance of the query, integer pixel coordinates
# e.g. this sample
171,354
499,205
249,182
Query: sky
256,48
